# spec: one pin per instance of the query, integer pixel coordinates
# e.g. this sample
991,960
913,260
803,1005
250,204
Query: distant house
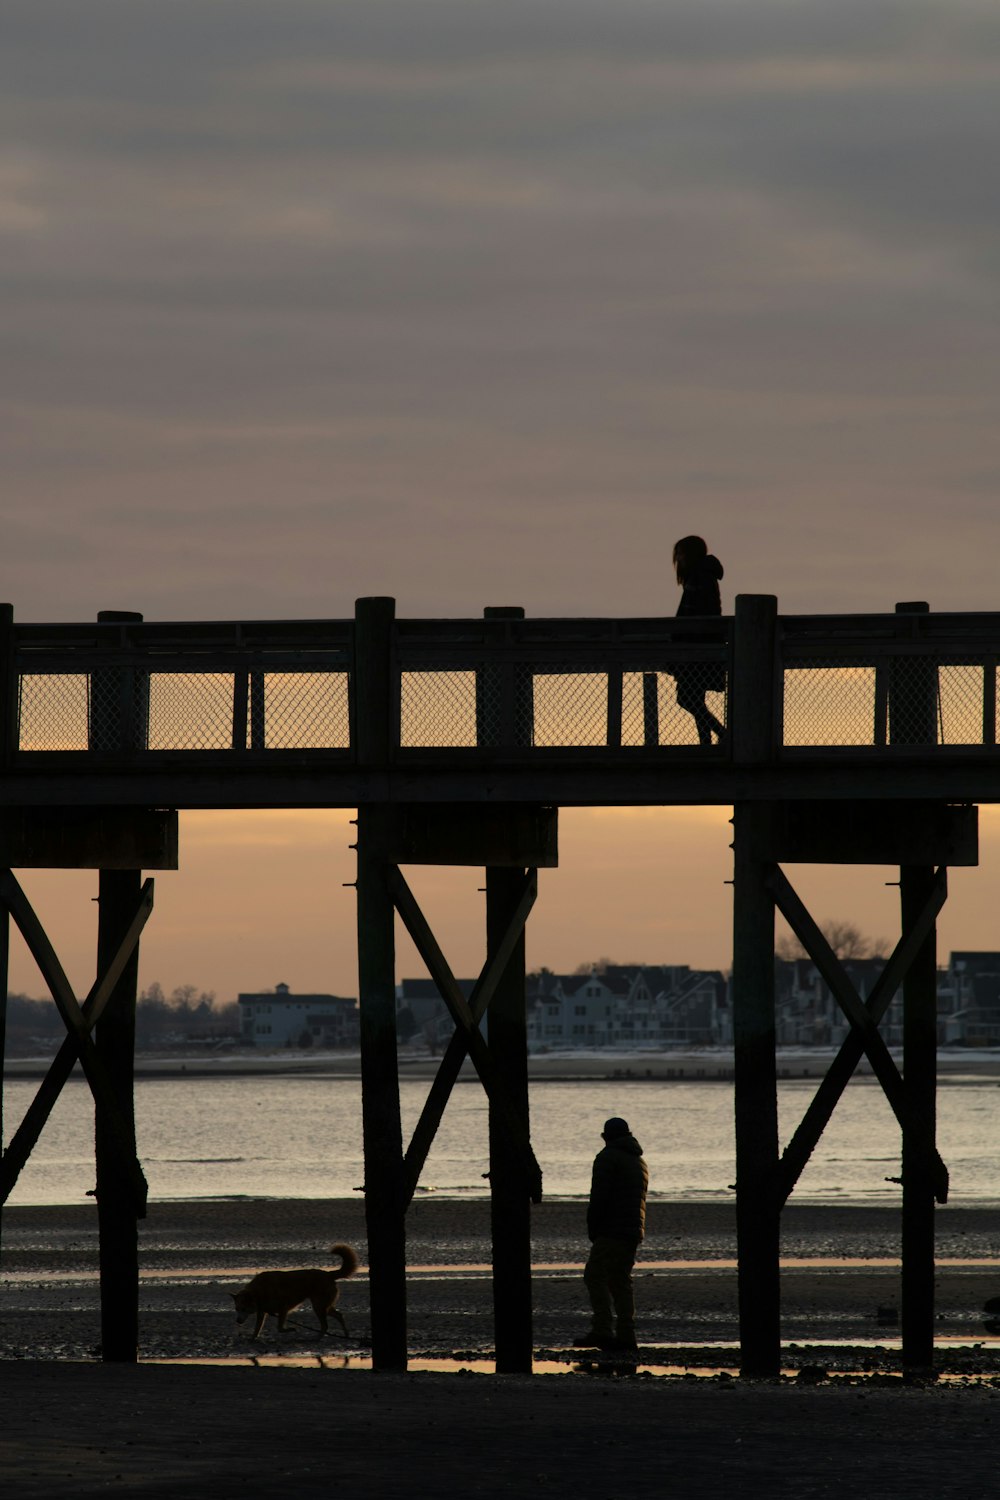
277,1018
693,1009
807,1013
421,1012
578,1012
972,1008
628,1005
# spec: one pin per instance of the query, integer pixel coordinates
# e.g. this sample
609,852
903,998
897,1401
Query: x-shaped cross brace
467,1040
864,1037
79,1021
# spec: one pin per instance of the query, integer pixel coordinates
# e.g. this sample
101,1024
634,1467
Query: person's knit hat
614,1127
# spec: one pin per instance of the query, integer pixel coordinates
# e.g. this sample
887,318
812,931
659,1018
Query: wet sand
251,1427
840,1270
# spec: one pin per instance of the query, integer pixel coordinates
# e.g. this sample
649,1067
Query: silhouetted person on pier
698,573
616,1223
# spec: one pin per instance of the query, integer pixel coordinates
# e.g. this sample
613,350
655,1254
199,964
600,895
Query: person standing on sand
616,1223
698,573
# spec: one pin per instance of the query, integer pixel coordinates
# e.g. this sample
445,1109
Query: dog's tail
348,1260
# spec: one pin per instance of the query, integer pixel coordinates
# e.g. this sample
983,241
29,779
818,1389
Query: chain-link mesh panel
510,705
912,683
52,711
438,709
832,704
488,725
570,708
105,710
306,711
924,702
119,709
183,711
505,705
191,711
960,705
935,702
666,708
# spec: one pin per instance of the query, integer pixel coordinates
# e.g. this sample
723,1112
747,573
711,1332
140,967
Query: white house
277,1018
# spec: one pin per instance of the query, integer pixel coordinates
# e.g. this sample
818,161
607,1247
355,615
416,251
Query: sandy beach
299,1414
840,1268
653,1065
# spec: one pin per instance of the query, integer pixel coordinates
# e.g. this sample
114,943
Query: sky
476,304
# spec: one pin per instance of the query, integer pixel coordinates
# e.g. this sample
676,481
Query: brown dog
279,1292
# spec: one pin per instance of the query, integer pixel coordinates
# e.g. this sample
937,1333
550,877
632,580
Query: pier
849,739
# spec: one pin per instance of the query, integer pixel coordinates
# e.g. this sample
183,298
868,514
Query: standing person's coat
617,1208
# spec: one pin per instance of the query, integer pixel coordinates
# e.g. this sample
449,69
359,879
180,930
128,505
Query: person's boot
625,1342
594,1340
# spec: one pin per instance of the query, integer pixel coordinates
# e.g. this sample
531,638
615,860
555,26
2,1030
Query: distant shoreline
706,1066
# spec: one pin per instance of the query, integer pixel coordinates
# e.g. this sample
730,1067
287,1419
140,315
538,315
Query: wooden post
383,1137
8,688
241,699
510,1204
505,698
257,717
920,1082
510,1207
912,721
613,733
114,1036
758,1204
912,687
756,692
8,731
119,699
4,983
758,1208
114,1039
650,708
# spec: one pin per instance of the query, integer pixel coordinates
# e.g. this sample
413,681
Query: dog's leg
320,1312
340,1319
260,1321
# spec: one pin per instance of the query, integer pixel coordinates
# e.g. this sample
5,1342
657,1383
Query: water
300,1137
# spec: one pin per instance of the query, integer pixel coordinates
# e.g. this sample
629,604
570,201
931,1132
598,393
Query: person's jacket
617,1208
700,595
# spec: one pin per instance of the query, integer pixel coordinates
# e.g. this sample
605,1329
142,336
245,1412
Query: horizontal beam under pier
563,784
88,838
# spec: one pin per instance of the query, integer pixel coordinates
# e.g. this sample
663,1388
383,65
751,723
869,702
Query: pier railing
244,689
887,683
502,689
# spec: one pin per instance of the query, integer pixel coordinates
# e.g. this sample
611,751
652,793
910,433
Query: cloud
426,296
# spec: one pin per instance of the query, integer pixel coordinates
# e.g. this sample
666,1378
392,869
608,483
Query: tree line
845,938
186,1014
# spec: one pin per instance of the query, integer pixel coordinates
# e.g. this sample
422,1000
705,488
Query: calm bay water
300,1137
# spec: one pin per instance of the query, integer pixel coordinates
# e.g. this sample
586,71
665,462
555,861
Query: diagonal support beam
485,986
41,950
841,1070
863,1025
457,1049
450,991
25,1138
